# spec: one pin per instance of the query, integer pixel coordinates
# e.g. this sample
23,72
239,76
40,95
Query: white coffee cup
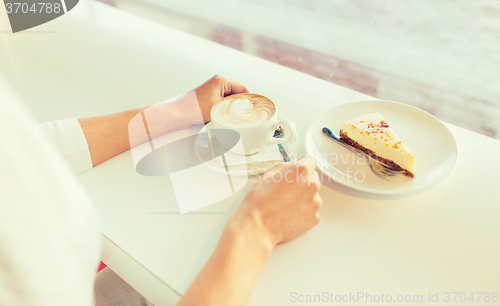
255,134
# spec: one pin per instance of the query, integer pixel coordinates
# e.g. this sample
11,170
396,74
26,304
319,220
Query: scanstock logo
192,158
25,14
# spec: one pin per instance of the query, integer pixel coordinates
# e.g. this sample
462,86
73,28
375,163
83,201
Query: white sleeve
49,233
68,137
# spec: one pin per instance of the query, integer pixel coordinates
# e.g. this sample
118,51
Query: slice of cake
373,135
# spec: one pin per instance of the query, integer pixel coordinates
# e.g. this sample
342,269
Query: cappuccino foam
243,109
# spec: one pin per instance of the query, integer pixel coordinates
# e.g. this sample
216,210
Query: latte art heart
243,109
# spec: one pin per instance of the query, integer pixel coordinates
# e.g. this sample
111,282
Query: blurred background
441,56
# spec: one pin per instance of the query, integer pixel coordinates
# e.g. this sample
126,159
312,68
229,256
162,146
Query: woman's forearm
230,274
110,135
107,136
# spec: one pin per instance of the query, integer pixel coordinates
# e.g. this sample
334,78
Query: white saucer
427,138
204,154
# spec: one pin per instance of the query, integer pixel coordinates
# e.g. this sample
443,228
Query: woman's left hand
215,89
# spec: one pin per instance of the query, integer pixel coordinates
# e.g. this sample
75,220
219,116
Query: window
441,56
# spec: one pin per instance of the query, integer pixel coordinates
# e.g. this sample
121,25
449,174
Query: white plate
203,152
427,138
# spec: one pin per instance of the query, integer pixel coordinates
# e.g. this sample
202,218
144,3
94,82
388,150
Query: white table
98,60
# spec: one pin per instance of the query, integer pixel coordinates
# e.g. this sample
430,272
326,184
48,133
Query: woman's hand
284,204
215,89
112,134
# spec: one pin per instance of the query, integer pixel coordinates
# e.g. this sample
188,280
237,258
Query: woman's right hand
284,204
